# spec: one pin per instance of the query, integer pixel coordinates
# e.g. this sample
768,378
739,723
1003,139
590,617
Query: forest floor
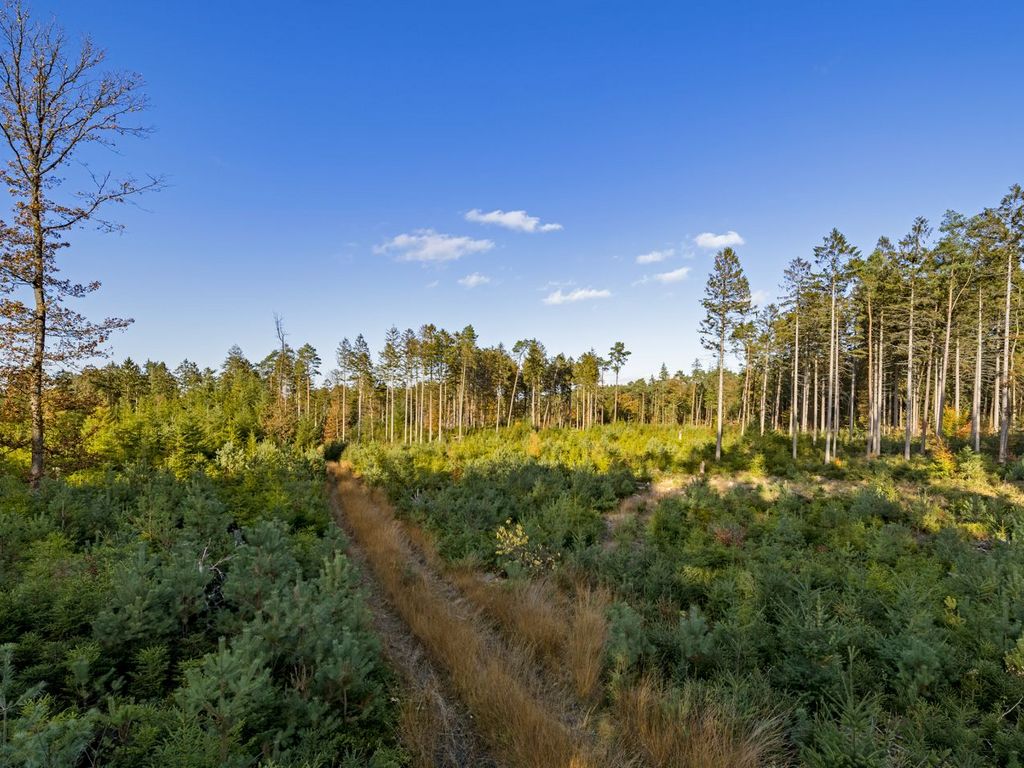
484,667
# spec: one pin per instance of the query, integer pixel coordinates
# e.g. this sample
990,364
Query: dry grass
427,730
566,635
519,729
528,611
588,631
682,734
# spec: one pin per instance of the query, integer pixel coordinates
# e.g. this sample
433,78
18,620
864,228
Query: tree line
916,340
918,337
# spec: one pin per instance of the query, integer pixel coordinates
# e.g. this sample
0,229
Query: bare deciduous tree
55,103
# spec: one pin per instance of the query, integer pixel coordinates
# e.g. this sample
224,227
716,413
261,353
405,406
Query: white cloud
759,298
520,221
428,245
580,294
473,280
551,284
674,276
711,240
655,256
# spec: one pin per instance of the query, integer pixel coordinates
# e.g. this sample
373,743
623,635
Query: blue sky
316,150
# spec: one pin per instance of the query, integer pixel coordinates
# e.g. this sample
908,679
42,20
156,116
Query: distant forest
934,315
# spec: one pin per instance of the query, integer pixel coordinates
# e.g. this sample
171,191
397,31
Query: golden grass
518,728
567,635
588,631
426,730
527,611
688,734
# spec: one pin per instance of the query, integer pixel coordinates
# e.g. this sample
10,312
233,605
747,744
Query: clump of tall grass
688,728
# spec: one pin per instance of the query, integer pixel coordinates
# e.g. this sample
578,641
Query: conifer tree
726,303
796,280
832,257
617,357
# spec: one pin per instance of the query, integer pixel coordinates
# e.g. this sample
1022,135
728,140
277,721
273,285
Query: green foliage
883,625
627,639
157,617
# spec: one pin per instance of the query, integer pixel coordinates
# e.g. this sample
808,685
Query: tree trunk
910,378
831,377
870,442
927,398
778,399
940,392
1007,408
746,391
796,384
995,409
880,392
615,408
806,400
764,390
956,379
38,362
721,383
853,392
814,405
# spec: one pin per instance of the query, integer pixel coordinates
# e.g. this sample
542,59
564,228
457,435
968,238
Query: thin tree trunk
940,401
615,408
815,407
880,393
806,400
910,377
38,361
764,390
995,409
831,377
853,391
746,389
778,400
721,383
925,414
796,384
1007,407
956,379
870,442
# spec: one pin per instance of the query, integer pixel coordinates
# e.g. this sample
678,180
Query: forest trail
477,696
435,725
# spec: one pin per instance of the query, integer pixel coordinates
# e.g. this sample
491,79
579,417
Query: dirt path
475,698
435,724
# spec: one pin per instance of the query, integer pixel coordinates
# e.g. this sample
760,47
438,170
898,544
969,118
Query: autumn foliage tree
55,103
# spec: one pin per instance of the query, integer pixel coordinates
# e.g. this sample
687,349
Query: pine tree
727,303
832,257
617,357
796,280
